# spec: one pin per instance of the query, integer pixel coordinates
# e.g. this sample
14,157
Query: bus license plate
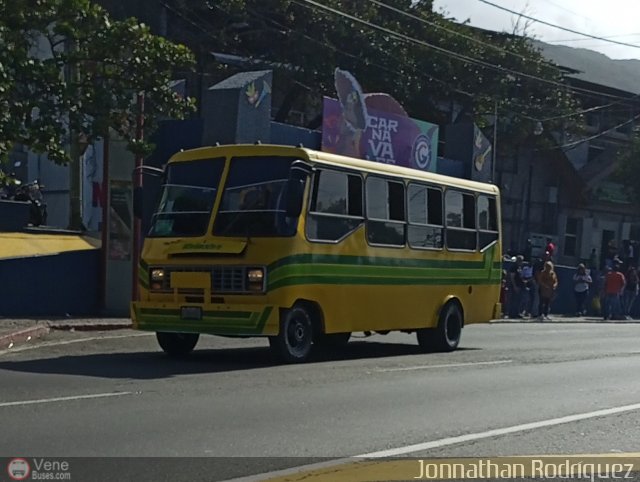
191,313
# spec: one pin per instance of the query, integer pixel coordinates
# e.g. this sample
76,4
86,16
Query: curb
7,341
90,326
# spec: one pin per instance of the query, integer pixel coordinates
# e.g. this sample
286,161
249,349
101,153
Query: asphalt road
507,391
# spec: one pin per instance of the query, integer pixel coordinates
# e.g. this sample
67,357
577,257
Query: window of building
571,237
425,228
487,221
385,212
461,220
336,205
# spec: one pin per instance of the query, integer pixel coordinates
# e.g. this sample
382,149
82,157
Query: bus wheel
446,336
177,344
293,343
332,340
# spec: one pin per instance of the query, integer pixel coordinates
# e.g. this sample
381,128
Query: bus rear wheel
293,343
446,336
177,344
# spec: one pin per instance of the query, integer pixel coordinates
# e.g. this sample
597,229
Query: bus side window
425,228
385,212
336,205
487,221
461,220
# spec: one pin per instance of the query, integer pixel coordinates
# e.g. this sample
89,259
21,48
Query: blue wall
66,283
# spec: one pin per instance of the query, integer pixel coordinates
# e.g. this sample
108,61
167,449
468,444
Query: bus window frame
489,198
391,221
317,170
427,225
462,192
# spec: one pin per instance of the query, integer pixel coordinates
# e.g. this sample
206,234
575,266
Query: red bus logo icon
18,469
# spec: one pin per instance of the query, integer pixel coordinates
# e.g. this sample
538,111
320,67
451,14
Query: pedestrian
550,248
614,283
527,292
581,284
504,292
547,282
630,291
516,288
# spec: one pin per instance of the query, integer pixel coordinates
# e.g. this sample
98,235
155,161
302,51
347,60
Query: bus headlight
157,274
255,279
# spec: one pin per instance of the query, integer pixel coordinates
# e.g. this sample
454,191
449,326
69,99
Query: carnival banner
375,127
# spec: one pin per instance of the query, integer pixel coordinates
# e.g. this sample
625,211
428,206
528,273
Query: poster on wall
376,127
92,195
120,220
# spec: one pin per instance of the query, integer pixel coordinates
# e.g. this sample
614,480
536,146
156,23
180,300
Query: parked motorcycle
13,189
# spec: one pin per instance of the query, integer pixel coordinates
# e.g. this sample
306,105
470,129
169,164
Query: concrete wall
57,285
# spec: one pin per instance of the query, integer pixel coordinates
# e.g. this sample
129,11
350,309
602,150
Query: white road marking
64,399
69,342
444,442
448,365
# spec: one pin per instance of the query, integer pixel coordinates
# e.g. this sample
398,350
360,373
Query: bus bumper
237,320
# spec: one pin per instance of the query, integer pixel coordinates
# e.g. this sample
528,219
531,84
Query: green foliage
389,52
628,167
67,69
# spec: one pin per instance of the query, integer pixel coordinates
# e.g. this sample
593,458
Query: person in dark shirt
517,286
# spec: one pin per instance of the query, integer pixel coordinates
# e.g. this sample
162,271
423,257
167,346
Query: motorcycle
13,189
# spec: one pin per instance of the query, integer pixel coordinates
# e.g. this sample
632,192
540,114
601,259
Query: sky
617,20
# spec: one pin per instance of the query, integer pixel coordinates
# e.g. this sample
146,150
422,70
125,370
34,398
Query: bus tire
446,336
332,340
293,343
177,345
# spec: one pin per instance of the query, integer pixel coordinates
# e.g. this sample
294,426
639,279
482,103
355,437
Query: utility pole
494,147
137,222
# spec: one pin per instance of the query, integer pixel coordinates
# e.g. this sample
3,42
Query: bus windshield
187,198
254,198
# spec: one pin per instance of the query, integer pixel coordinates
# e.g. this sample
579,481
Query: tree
401,47
626,172
68,72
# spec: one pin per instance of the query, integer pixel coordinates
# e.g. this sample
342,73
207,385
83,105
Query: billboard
376,127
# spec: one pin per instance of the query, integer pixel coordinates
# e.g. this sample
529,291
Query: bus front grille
229,279
224,279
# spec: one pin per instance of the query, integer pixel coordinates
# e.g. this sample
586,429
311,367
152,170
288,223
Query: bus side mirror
298,175
137,202
137,191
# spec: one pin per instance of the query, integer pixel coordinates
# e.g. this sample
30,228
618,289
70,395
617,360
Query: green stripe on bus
372,280
250,322
375,271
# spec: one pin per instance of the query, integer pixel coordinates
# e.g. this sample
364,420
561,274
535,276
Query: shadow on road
155,365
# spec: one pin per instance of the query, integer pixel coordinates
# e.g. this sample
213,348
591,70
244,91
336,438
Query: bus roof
333,160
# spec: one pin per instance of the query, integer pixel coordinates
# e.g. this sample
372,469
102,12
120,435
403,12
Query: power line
204,30
582,39
459,34
567,10
604,39
571,145
468,37
453,54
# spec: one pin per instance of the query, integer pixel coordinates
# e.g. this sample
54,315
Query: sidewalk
13,331
560,318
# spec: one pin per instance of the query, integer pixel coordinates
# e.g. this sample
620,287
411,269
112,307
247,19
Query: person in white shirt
581,284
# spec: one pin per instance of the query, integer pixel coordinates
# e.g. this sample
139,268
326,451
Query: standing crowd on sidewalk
529,285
